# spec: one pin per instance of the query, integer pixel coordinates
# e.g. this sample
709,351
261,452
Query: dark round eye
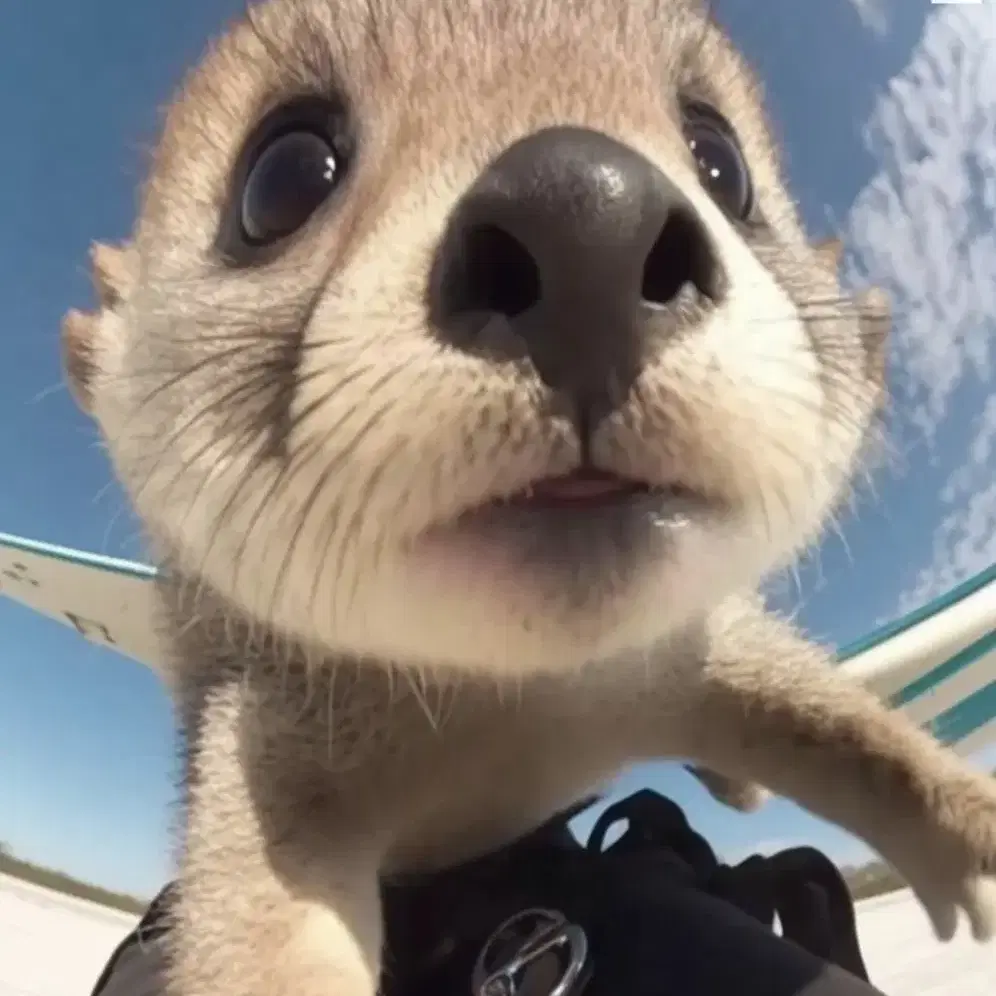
295,159
723,170
290,179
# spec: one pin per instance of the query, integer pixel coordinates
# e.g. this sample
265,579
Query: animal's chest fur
435,772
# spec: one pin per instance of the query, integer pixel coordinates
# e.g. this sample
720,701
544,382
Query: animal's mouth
600,498
580,489
586,517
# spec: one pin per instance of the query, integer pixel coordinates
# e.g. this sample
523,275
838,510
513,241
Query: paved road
51,945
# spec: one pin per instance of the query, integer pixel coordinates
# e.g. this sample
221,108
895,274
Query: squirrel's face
475,334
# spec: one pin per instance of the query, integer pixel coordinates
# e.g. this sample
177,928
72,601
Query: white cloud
965,541
924,228
873,14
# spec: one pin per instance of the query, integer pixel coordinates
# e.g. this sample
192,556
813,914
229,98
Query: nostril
681,257
495,274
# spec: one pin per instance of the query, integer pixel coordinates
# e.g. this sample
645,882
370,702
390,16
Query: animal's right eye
292,166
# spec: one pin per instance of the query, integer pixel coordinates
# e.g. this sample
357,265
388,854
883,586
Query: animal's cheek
749,430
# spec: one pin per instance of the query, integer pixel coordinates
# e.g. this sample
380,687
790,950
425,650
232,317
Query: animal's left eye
723,169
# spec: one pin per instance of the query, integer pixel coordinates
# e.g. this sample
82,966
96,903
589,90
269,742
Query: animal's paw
954,867
975,895
745,797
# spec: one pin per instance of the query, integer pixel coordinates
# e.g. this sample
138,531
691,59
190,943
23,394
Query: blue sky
888,111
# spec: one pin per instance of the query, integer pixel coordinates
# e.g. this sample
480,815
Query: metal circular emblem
536,941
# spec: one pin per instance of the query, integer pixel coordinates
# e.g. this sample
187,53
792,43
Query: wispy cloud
965,541
873,14
924,228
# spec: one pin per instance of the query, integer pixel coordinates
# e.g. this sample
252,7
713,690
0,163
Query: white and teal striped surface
938,664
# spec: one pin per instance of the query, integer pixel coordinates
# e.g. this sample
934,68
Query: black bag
451,933
654,914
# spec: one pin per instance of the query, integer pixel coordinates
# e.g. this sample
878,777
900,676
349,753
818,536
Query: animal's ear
86,335
830,251
873,311
875,322
113,271
79,335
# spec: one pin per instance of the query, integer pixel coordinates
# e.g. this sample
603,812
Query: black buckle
537,944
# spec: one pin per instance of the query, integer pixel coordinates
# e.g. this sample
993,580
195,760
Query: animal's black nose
569,247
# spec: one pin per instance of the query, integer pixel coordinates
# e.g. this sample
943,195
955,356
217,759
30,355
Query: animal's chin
580,528
585,563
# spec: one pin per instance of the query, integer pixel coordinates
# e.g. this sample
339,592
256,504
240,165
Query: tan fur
366,682
114,273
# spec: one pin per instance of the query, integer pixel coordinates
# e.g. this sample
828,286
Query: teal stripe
963,659
908,621
966,717
127,567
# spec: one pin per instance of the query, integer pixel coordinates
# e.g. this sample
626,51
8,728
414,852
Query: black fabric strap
131,970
